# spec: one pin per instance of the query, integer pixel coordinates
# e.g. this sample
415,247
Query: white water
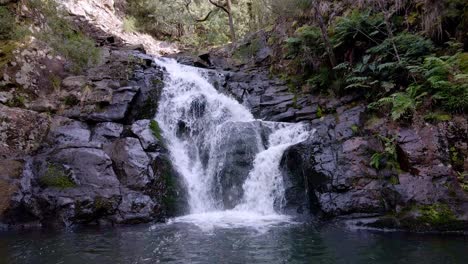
190,102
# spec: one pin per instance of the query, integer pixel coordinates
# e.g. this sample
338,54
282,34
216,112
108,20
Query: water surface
184,242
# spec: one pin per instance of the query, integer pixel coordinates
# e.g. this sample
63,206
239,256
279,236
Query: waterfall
206,132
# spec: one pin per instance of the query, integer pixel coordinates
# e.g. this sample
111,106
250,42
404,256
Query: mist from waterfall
194,118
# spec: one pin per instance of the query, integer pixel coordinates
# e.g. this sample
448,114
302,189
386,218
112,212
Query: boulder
107,131
88,166
148,140
135,208
130,162
118,106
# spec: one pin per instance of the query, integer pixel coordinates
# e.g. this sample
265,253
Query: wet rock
142,130
238,144
130,162
135,208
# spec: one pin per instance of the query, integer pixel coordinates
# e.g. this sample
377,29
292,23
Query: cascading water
202,127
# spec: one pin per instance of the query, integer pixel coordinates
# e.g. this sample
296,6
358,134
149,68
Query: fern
403,103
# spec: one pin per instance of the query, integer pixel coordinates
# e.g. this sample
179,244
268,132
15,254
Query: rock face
235,153
94,160
331,175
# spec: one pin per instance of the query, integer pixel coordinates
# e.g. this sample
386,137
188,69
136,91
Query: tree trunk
323,29
231,21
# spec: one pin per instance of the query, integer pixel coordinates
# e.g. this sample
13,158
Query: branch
219,6
187,6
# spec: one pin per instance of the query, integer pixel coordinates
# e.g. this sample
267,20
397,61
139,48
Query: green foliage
154,126
456,159
129,24
356,29
463,180
10,33
411,48
64,38
403,103
9,28
56,177
446,78
388,157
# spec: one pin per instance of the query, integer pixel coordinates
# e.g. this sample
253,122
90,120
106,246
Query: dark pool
186,243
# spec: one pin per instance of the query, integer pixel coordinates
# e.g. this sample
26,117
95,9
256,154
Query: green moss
394,180
17,101
462,176
436,214
320,112
154,126
355,129
56,177
102,204
457,159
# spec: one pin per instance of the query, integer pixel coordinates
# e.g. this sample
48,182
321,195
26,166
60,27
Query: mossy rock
56,177
156,130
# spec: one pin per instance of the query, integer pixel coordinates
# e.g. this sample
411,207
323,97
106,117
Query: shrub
64,38
446,78
129,24
7,24
403,103
410,47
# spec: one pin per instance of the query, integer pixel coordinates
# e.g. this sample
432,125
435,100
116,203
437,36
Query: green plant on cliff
403,103
388,157
56,177
10,33
446,77
64,38
129,24
437,214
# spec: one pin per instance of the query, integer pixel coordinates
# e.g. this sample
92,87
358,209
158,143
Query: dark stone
130,162
118,107
107,131
235,154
